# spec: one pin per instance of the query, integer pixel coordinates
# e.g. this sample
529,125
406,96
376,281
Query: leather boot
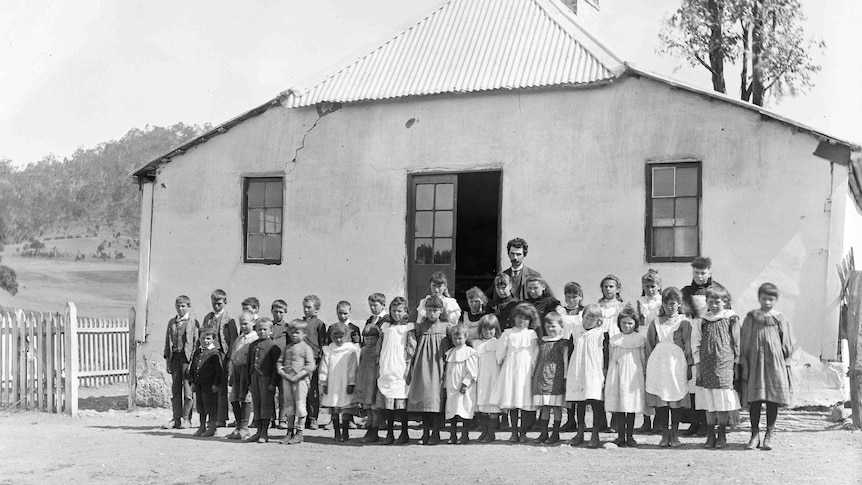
721,442
674,438
290,430
621,439
369,430
263,431
483,425
579,436
404,437
555,434
492,435
336,426
594,439
435,431
426,431
237,418
695,425
345,430
767,439
665,436
543,436
571,423
256,436
211,427
244,432
516,434
453,432
202,427
465,436
297,436
646,426
630,431
754,441
372,436
710,436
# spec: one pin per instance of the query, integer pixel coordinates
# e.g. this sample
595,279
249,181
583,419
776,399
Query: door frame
409,229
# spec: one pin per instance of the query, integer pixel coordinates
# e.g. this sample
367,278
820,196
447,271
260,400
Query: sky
75,74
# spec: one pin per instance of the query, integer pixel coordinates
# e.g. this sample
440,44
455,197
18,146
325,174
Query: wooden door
430,232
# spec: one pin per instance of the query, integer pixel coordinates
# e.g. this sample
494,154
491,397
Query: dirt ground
119,446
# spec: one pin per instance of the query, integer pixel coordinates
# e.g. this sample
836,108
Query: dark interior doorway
478,222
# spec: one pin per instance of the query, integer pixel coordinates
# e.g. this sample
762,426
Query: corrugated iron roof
472,45
477,45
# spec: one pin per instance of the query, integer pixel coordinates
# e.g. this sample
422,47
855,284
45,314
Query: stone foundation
816,382
154,385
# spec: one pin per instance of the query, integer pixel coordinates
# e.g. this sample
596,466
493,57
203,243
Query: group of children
527,361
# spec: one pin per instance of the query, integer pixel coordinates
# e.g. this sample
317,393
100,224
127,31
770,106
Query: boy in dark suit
279,336
263,357
222,326
205,376
377,305
342,312
180,337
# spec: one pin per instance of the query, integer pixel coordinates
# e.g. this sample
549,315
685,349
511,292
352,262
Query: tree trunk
757,24
716,47
744,83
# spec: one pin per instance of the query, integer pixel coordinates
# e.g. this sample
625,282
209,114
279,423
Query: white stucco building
477,125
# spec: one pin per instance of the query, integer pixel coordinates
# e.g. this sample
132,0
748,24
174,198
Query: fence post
71,359
133,359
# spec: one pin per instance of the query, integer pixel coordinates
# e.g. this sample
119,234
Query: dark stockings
754,410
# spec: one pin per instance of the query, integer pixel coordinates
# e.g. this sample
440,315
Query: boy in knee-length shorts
295,366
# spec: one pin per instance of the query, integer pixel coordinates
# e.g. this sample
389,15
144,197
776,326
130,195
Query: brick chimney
587,13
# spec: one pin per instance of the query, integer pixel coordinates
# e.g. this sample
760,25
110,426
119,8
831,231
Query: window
434,223
673,211
262,203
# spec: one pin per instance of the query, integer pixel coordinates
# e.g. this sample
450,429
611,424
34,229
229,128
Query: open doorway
453,227
477,245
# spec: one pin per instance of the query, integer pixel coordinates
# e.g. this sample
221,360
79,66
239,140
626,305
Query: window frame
246,183
648,218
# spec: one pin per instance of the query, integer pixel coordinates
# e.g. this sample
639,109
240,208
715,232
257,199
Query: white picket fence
44,357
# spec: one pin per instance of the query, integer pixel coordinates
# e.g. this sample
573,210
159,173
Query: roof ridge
571,17
400,31
468,46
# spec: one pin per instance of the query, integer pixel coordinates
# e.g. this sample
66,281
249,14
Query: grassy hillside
98,288
71,227
85,193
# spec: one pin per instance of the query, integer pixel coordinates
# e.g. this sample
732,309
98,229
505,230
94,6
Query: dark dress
366,377
544,304
765,350
549,374
502,308
716,341
428,367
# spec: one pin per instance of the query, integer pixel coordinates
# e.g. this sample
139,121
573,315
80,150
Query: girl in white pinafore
669,362
397,345
624,384
489,372
459,383
518,348
337,380
585,379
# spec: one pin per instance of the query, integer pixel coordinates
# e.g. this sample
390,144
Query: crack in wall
323,109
